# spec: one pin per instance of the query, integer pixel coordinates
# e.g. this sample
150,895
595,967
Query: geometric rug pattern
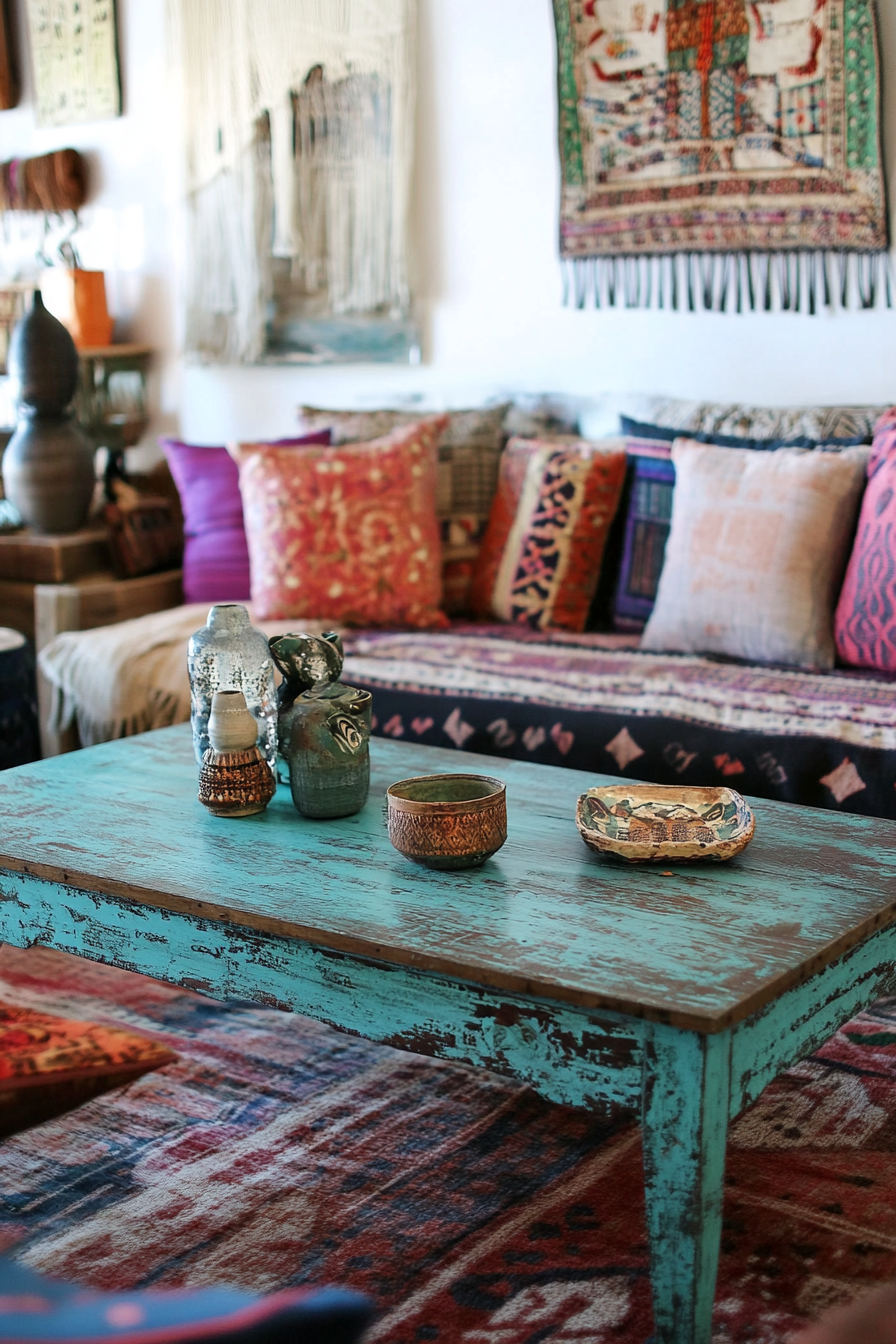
276,1151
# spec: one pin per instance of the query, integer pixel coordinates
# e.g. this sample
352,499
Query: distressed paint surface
685,1123
544,916
569,1056
807,1015
725,975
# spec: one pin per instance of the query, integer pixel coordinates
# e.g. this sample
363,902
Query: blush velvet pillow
756,550
216,558
865,621
347,533
550,518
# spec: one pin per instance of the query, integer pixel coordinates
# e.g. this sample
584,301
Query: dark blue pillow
640,430
647,522
48,1311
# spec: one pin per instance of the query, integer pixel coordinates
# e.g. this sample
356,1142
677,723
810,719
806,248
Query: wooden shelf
32,558
125,350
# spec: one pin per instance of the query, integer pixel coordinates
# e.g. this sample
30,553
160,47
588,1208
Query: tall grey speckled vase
229,654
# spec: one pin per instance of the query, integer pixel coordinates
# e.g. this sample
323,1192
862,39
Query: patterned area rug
276,1151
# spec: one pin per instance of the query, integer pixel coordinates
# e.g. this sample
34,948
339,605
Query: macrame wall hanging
298,117
721,154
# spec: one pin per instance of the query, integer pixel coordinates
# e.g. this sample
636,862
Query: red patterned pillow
865,621
50,1064
541,556
348,533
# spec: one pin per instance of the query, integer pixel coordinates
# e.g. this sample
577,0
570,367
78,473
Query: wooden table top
701,947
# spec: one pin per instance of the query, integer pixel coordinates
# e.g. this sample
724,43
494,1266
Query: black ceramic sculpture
48,466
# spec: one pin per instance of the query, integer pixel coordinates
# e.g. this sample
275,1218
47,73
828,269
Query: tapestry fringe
733,282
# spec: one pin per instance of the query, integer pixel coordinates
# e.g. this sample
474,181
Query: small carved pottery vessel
665,823
448,821
235,780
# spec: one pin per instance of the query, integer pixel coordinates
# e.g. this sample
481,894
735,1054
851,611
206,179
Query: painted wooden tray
653,823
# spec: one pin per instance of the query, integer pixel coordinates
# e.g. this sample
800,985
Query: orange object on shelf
78,299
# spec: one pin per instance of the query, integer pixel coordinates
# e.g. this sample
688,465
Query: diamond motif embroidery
844,781
457,729
728,765
502,732
624,749
563,738
533,738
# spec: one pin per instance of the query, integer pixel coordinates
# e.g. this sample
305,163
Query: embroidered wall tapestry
721,153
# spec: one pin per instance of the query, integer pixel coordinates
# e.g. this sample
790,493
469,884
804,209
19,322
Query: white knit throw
298,118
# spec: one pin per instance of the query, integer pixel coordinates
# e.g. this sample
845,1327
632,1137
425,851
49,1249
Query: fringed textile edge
732,282
162,710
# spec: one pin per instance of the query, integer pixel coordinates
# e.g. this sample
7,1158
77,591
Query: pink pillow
865,621
216,557
346,534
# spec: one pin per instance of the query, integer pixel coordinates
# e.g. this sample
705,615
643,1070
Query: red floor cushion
49,1064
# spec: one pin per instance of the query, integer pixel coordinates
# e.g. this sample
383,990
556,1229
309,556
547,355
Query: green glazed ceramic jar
324,737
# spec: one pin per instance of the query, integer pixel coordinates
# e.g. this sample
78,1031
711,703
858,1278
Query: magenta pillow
216,557
865,620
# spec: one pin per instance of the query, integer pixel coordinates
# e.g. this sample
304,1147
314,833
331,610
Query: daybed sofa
593,701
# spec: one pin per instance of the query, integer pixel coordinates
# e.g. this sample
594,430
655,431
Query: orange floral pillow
347,533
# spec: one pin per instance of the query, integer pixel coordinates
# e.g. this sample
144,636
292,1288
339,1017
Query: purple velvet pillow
216,557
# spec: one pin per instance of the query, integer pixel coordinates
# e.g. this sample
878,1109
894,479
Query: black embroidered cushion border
593,703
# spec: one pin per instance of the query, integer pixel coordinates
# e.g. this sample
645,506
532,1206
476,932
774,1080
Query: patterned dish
653,823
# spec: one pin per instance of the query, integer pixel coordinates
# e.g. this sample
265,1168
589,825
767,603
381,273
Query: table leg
685,1123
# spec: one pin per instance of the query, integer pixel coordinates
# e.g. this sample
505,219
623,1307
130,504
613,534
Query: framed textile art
74,46
9,73
721,153
299,134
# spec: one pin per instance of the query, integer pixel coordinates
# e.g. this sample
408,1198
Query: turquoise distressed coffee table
679,994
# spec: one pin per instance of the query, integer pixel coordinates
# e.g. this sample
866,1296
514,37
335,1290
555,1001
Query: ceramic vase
48,466
324,727
235,780
229,654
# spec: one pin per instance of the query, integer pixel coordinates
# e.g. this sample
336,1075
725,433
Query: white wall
488,279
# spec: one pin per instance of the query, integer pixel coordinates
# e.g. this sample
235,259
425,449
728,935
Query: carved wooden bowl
665,823
448,821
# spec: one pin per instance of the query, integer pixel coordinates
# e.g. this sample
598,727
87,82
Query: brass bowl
448,821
